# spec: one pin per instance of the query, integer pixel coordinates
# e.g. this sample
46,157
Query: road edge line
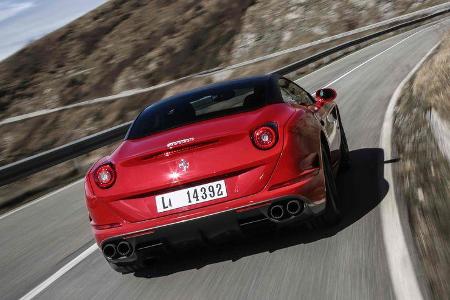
401,268
381,53
63,270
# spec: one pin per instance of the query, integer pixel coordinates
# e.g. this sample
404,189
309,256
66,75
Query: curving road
347,262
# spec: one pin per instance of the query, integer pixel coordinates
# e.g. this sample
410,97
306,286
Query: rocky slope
136,43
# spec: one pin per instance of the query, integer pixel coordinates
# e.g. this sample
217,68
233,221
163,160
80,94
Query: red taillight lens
264,137
105,176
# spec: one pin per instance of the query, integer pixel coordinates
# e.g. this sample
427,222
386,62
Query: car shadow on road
362,187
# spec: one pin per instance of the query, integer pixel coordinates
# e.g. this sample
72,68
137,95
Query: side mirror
326,95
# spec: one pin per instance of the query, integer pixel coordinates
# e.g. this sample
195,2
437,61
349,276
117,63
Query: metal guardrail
33,164
30,165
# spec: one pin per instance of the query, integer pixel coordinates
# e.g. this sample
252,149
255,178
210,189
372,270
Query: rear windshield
200,105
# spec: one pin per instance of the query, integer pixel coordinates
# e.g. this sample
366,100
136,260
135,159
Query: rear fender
301,154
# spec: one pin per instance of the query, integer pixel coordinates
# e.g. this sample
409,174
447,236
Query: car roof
267,83
257,80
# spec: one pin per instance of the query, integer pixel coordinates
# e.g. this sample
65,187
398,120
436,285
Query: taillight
265,137
105,176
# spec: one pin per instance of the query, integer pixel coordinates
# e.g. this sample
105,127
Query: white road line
401,268
372,58
39,199
424,27
37,290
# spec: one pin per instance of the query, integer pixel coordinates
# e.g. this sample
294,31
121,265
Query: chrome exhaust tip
294,207
109,251
276,212
124,248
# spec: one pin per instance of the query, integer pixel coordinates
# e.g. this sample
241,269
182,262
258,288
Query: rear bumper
150,237
309,188
156,242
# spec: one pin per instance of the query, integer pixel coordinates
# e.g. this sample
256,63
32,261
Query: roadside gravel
422,175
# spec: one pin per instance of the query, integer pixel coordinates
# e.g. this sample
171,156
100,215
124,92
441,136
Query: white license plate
190,196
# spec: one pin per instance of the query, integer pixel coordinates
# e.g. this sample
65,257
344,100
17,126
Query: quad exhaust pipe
109,251
276,212
122,249
293,207
287,209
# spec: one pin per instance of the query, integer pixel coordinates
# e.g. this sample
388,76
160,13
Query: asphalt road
347,262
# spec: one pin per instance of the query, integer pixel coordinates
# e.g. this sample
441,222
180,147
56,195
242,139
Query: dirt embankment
423,174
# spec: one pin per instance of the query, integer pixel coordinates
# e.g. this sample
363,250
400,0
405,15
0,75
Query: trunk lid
207,151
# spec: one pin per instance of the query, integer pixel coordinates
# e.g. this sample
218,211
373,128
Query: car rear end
195,167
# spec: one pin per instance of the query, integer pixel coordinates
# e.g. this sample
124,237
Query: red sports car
217,160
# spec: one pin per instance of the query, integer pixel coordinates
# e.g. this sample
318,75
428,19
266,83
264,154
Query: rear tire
332,214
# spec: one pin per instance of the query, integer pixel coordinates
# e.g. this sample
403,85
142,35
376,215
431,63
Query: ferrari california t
214,161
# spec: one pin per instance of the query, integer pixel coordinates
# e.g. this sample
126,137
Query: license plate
197,194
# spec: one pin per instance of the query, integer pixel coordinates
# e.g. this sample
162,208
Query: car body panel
328,116
210,150
308,184
142,175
